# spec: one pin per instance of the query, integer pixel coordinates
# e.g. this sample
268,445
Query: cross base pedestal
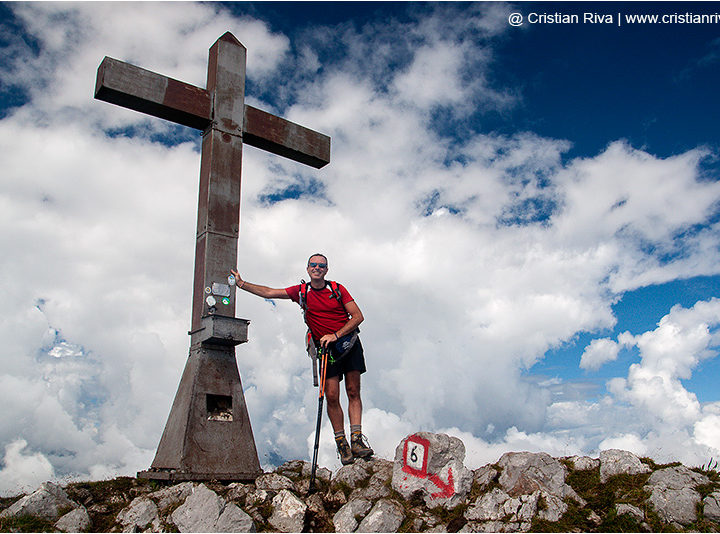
208,434
178,476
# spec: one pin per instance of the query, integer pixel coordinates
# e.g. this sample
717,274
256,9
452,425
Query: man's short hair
317,254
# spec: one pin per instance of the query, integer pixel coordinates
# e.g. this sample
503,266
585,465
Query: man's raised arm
260,291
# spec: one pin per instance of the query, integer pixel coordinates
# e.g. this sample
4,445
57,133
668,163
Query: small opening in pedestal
219,408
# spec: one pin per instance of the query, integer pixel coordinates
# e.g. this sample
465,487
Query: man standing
333,318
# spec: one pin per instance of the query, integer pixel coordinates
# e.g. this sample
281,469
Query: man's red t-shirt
324,315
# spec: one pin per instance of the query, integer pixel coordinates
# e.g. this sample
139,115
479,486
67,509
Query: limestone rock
525,486
349,475
233,519
141,513
426,521
375,490
336,498
553,507
321,473
712,506
292,469
594,518
495,526
673,494
316,507
274,482
289,512
523,473
385,516
199,512
379,466
256,497
677,478
432,464
172,495
46,503
205,511
629,509
345,518
498,505
435,528
617,462
484,476
584,463
524,507
99,509
76,520
238,492
488,507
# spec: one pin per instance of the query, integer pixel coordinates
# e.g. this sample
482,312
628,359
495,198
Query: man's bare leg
360,449
332,397
352,388
335,413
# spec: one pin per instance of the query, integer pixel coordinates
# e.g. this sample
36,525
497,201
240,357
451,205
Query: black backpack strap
335,291
309,342
302,295
312,353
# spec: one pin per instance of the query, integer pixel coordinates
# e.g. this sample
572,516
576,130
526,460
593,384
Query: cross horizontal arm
284,138
154,94
142,90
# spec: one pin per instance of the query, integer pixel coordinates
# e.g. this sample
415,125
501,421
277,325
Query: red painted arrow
447,490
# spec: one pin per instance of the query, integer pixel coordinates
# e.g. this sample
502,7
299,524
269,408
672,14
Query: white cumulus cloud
470,258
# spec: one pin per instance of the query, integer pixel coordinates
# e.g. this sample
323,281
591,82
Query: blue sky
527,214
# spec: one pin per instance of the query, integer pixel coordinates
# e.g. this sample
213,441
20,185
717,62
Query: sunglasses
314,264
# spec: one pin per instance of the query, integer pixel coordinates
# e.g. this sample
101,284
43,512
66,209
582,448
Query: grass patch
101,491
26,523
602,497
655,466
619,523
342,486
575,519
584,482
114,494
408,524
714,476
454,517
706,489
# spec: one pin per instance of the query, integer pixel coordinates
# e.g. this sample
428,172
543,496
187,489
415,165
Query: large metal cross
208,433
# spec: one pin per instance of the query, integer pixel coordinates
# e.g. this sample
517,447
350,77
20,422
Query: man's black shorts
354,360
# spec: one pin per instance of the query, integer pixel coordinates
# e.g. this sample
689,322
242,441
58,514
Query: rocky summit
425,488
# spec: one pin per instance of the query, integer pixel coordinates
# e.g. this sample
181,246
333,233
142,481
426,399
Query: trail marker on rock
208,433
432,464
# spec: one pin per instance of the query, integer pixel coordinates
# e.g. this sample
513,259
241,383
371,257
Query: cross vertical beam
219,199
208,433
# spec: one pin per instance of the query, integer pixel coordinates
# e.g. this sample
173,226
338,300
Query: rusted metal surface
218,220
135,88
201,442
221,330
226,82
142,90
285,138
195,445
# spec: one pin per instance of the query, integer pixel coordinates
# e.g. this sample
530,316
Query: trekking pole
323,368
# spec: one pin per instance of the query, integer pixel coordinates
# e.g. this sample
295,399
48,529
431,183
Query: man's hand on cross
238,281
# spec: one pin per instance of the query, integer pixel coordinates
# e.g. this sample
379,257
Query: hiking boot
343,449
360,448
